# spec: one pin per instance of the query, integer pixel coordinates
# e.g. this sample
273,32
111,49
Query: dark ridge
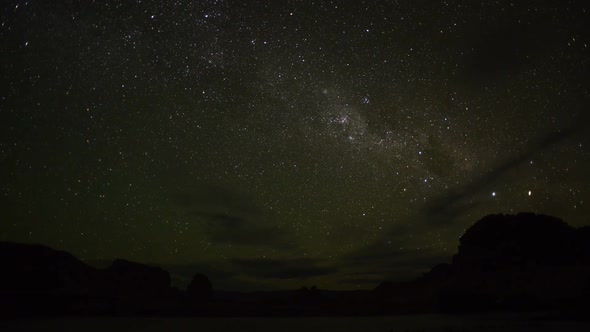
505,262
513,263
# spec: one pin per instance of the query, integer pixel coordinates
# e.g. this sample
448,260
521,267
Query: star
226,131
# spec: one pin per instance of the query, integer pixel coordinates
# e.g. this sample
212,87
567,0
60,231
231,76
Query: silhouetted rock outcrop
37,269
136,288
522,260
505,262
200,289
498,241
38,280
135,279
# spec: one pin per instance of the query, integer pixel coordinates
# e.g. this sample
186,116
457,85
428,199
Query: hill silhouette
504,262
38,280
523,262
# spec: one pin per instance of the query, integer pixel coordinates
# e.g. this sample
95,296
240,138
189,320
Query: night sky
277,144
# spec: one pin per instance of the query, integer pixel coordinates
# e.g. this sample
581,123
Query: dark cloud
388,261
217,217
237,230
282,269
376,254
445,208
374,281
229,216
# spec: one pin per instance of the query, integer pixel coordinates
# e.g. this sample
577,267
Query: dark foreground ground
446,323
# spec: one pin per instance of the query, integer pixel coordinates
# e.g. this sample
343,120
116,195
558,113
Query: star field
353,141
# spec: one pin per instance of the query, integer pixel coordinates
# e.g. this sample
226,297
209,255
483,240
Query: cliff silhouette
523,262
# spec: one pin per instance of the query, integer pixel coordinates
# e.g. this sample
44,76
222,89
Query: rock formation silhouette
523,262
200,289
504,262
38,280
